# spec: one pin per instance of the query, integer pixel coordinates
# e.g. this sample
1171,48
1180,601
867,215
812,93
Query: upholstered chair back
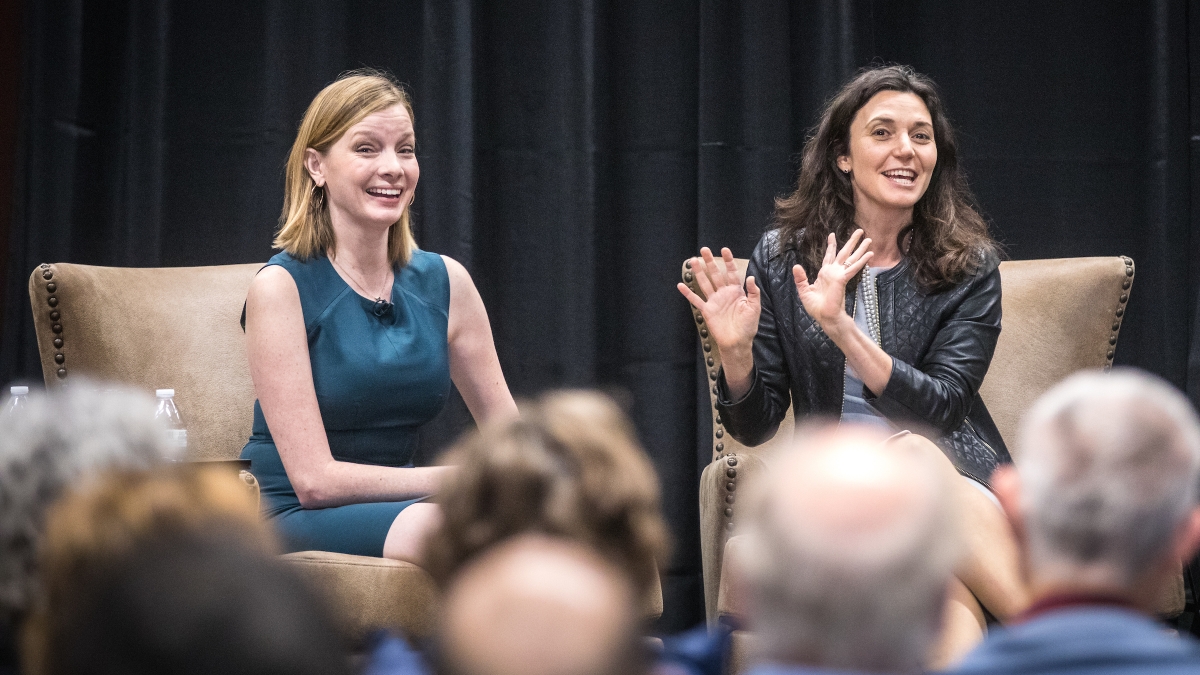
1060,316
155,328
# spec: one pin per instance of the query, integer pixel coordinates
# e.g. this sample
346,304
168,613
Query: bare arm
474,366
277,347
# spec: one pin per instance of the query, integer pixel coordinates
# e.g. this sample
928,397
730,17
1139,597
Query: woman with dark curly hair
875,298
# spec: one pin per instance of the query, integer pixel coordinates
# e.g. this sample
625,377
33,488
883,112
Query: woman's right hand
730,312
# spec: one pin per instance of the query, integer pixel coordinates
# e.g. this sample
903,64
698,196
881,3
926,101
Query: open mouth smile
905,177
386,194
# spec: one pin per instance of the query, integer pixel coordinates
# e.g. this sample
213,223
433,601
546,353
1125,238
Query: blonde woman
354,335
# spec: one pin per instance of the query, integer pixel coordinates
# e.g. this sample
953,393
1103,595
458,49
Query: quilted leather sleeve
940,390
755,417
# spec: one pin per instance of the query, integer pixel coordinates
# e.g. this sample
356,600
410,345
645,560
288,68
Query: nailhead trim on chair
731,472
1116,327
713,366
55,324
731,459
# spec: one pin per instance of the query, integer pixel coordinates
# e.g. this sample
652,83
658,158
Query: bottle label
177,438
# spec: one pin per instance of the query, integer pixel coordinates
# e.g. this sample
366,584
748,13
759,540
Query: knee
406,538
427,517
923,447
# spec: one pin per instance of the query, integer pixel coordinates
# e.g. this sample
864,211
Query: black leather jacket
941,345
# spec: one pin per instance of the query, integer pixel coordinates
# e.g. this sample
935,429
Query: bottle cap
18,391
164,393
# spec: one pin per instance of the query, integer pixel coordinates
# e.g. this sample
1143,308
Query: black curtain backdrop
574,153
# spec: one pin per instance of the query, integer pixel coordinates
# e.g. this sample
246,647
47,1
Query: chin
384,219
905,199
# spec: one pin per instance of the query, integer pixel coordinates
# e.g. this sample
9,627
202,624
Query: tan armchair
178,328
1060,316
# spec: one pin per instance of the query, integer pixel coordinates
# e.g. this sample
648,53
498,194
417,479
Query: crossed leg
406,537
990,571
963,627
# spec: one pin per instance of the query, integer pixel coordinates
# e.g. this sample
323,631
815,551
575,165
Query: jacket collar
893,273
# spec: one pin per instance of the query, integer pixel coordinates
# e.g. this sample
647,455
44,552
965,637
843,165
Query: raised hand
825,298
730,312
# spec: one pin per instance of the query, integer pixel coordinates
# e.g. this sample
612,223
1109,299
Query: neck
1088,584
882,226
1042,592
363,250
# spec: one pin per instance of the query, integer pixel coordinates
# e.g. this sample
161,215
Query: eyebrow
888,120
363,134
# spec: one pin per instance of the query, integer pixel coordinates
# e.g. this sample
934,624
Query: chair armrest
252,485
1170,599
367,594
652,603
731,601
719,485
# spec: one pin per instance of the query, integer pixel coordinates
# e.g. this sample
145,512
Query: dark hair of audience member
570,467
171,572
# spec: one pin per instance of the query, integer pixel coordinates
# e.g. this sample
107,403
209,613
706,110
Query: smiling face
891,152
370,173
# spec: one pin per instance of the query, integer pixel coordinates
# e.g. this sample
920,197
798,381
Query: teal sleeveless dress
378,379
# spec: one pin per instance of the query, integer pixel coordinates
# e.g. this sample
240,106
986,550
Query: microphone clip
381,308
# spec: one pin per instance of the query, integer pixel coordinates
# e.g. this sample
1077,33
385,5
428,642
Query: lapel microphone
381,307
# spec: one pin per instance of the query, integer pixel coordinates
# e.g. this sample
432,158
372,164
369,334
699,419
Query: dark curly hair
949,237
570,467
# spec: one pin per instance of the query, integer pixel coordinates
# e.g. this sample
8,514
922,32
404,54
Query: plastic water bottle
17,401
176,434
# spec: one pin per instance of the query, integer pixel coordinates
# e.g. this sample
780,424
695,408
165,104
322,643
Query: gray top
855,409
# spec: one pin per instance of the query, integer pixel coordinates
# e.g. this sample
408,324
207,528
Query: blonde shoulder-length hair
305,230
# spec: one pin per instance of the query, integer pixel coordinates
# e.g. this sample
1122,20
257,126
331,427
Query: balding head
539,606
1108,475
851,544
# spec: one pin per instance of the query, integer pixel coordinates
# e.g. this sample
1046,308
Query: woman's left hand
825,299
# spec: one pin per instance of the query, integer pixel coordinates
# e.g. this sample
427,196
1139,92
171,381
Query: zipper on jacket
967,421
846,362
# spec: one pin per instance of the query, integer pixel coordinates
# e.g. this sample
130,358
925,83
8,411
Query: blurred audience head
171,571
538,605
849,549
59,440
1104,491
570,467
305,228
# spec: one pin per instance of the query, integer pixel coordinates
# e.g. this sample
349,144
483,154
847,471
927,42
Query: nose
904,148
390,165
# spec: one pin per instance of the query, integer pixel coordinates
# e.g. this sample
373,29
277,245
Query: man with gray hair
1104,499
54,442
848,554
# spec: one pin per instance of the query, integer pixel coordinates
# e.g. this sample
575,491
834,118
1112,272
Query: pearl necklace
871,303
